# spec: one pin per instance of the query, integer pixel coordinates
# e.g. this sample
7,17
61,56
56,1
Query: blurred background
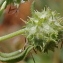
11,22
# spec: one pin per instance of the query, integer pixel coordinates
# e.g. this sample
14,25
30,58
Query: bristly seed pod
44,28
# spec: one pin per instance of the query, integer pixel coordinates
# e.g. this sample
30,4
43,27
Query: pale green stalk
12,35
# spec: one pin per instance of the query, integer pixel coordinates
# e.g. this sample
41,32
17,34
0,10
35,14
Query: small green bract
43,29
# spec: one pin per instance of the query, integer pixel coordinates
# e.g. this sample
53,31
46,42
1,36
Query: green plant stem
12,35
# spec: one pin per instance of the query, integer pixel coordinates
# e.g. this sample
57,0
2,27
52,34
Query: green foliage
43,29
3,5
15,56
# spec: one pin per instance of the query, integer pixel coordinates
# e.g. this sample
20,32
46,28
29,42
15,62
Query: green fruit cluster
44,28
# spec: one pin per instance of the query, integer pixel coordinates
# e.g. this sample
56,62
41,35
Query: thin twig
33,58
